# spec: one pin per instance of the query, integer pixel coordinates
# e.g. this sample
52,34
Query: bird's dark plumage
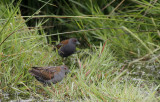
48,75
67,47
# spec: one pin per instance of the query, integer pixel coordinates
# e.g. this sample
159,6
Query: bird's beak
78,43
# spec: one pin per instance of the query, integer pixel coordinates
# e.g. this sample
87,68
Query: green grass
101,70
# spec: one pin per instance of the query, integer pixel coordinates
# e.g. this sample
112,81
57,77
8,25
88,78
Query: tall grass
17,51
126,45
97,72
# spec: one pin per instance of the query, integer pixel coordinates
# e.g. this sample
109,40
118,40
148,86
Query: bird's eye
75,40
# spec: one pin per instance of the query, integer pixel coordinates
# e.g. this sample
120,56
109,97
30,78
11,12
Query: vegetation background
118,59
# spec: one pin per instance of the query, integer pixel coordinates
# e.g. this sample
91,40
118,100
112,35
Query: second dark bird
67,47
48,75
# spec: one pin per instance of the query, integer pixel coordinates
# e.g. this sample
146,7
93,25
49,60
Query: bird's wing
62,43
45,73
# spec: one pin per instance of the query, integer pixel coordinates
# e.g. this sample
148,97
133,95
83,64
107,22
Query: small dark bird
67,47
48,75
